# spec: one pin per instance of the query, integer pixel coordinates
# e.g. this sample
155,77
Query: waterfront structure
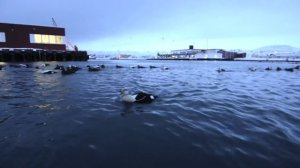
31,36
202,54
21,43
121,57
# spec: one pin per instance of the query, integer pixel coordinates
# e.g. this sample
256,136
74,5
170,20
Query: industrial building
201,54
21,43
31,36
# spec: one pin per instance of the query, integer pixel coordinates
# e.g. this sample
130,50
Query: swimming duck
48,72
289,69
140,97
69,70
151,67
268,69
58,67
139,66
221,70
94,68
119,66
252,69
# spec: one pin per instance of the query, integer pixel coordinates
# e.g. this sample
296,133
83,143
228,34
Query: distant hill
278,48
275,52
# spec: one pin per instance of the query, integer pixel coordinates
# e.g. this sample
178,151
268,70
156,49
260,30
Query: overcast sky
161,25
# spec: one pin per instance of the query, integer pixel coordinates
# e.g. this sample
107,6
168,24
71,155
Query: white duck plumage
126,97
141,97
47,72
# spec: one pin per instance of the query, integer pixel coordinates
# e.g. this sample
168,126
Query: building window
52,39
46,39
2,37
37,38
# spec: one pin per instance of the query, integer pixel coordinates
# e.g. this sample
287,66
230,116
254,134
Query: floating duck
94,68
297,67
268,69
45,65
58,67
278,69
48,72
76,68
28,66
69,70
139,66
23,65
289,69
140,97
221,70
119,66
165,68
252,69
151,67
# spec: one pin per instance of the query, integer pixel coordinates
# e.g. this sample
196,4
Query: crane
69,44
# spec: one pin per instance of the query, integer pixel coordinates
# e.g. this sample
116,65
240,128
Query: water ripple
248,118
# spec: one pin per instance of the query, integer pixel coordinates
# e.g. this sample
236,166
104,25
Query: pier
28,43
29,55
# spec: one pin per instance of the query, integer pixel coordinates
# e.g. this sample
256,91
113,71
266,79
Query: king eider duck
268,69
289,69
151,67
220,70
48,72
253,69
140,97
94,68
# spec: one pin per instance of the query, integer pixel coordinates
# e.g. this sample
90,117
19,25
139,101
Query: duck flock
253,69
139,97
71,69
126,96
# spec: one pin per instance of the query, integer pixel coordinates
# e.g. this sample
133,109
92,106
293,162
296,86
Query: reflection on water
202,118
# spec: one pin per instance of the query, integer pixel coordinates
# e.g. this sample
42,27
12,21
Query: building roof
14,24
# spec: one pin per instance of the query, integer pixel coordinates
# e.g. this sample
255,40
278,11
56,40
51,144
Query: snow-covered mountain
275,51
278,48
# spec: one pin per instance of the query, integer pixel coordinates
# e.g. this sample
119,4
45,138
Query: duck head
124,91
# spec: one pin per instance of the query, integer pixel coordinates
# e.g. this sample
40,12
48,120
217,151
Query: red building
31,36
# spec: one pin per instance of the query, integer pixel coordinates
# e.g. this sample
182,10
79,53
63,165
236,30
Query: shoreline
293,61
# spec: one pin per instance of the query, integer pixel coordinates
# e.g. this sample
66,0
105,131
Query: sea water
202,118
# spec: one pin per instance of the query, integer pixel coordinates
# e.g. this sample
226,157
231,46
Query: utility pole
207,43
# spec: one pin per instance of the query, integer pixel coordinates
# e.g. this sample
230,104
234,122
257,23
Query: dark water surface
201,119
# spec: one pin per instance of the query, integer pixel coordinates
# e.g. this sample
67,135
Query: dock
30,55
